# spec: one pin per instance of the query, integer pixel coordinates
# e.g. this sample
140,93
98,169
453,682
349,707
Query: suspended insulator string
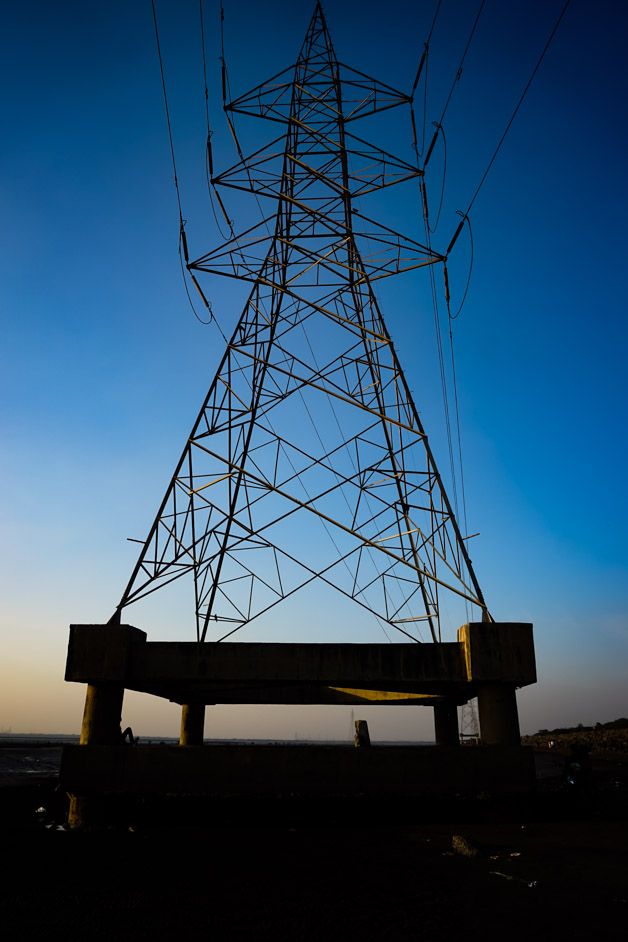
452,317
442,192
535,70
427,62
415,143
424,56
209,169
453,84
424,62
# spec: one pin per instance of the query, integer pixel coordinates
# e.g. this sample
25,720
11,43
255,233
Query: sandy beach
314,869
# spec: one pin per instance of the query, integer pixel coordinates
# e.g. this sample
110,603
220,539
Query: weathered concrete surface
499,717
225,672
498,651
393,771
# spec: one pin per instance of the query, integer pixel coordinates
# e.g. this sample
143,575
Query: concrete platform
227,672
488,660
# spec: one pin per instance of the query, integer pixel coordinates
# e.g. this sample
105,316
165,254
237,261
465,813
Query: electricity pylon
308,461
469,722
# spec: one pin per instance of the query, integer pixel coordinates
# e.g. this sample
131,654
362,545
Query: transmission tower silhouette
308,462
469,722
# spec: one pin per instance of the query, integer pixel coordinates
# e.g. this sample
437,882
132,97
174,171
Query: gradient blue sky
104,365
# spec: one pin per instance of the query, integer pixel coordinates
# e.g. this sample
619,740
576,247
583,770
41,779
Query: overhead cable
182,237
163,85
454,83
523,95
424,62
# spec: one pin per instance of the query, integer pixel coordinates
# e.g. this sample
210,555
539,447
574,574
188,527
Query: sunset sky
105,366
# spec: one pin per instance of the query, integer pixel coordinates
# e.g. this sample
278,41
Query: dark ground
311,870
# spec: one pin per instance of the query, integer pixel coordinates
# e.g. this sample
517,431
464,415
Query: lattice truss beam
308,460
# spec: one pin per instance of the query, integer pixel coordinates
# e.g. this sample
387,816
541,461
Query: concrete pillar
446,724
192,724
102,715
100,727
499,719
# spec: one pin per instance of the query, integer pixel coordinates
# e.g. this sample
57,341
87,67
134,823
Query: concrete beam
227,672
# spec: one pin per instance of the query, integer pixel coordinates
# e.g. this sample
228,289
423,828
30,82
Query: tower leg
499,719
446,724
192,724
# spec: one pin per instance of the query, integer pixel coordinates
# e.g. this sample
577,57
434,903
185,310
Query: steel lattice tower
308,460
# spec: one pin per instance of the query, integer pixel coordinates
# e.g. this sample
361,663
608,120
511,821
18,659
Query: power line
523,95
453,85
464,54
163,85
424,62
182,238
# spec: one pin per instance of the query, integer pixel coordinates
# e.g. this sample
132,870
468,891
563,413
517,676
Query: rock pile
603,743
